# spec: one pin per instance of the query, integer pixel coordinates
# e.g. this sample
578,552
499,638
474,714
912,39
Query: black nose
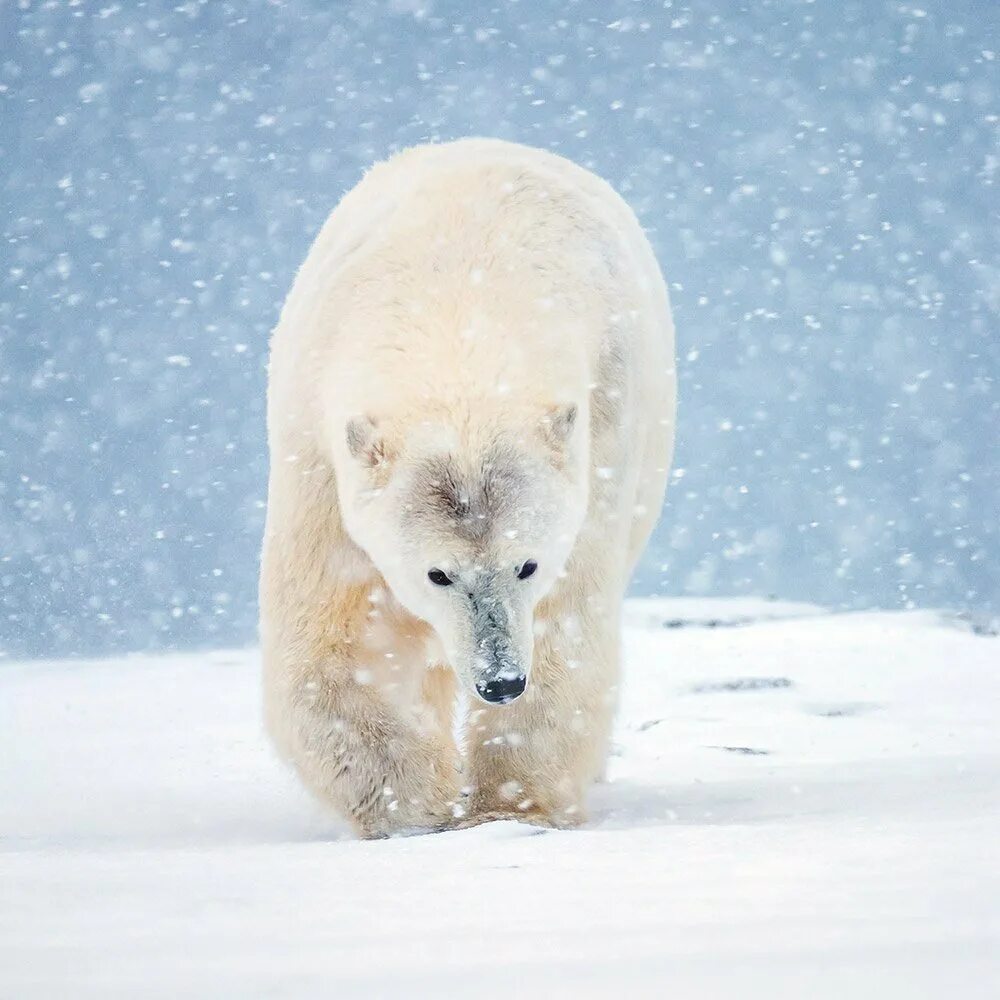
502,690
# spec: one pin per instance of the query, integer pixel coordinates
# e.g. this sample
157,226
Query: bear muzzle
500,672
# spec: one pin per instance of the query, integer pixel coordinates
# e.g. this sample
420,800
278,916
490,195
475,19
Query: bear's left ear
557,424
364,441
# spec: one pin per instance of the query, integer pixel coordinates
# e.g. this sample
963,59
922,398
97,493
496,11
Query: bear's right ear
364,442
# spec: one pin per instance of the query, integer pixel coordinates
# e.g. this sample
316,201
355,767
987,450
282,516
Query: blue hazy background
818,179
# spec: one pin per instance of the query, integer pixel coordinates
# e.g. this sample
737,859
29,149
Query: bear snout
498,673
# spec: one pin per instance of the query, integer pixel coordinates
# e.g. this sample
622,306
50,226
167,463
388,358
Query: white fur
495,312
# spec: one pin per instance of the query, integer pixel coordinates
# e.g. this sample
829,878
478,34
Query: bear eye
440,578
527,569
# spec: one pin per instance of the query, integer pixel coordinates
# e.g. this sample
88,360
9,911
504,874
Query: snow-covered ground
801,805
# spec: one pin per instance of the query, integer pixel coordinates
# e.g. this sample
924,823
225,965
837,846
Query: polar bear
470,418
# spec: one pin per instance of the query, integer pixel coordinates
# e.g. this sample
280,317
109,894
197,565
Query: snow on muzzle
498,673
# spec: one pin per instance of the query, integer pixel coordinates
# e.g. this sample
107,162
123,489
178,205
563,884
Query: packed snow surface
800,804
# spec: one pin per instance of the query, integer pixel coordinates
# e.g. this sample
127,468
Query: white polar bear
471,418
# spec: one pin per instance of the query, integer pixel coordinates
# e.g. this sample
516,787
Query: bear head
470,523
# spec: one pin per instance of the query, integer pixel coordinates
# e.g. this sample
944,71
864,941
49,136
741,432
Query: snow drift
798,802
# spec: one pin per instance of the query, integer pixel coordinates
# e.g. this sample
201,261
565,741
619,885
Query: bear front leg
534,759
358,753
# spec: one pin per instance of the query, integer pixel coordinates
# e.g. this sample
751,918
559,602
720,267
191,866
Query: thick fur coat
470,418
